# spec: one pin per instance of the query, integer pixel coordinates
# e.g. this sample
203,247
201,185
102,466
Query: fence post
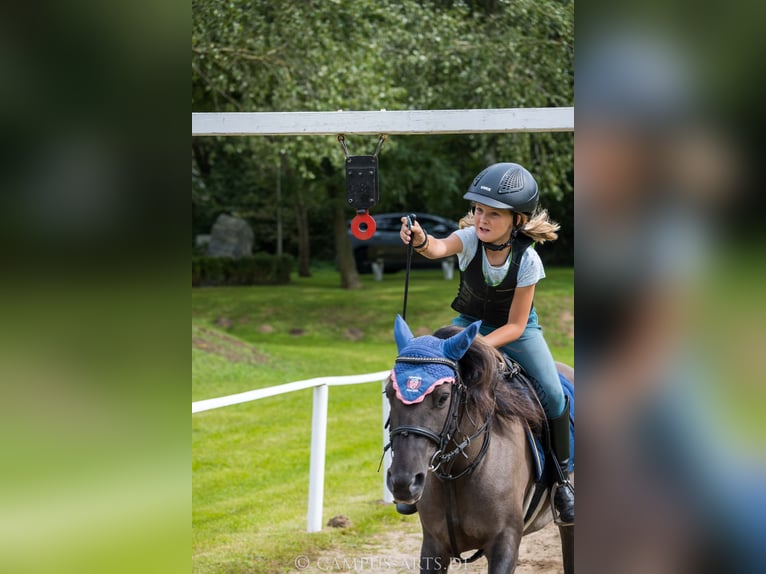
317,464
448,268
387,496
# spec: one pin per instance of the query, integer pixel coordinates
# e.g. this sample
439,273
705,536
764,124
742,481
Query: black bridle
443,460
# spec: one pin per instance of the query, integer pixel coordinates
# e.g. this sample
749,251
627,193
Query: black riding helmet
505,186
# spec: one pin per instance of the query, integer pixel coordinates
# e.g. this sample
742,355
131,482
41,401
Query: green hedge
258,269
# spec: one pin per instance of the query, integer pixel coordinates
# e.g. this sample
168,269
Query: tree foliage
259,55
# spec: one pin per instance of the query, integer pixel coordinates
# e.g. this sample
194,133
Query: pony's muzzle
406,487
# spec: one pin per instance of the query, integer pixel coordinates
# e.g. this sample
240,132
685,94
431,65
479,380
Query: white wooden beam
405,122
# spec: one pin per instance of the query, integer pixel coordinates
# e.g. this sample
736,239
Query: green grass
250,461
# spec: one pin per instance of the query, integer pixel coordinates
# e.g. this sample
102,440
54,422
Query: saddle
539,441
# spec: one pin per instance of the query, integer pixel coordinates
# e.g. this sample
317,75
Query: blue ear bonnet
413,380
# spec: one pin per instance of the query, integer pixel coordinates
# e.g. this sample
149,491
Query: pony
460,452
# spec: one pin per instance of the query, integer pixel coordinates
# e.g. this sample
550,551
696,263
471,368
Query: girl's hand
406,234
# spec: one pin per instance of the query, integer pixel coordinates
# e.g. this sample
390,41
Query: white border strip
401,122
209,404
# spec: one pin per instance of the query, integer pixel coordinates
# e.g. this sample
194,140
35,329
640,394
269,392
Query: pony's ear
457,345
402,333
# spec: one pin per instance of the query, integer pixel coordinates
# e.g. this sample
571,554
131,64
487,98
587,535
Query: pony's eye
442,400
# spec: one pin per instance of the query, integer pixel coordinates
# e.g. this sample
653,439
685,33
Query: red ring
356,229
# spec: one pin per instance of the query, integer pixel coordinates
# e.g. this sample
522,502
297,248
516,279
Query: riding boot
563,491
403,508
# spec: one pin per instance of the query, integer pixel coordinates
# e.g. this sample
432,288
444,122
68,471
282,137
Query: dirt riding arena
398,552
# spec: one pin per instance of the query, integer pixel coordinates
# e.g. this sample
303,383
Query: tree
305,56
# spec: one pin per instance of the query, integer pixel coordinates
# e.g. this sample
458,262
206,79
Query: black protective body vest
481,301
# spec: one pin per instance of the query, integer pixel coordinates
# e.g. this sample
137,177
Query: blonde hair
539,227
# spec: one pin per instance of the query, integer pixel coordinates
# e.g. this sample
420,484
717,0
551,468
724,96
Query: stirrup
557,515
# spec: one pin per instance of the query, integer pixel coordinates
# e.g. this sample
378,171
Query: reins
410,248
449,429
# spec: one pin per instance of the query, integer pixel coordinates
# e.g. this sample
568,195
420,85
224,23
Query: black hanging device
362,188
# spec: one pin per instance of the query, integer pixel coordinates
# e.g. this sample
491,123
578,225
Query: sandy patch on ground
398,552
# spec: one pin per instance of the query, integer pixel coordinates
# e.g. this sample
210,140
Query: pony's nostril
418,481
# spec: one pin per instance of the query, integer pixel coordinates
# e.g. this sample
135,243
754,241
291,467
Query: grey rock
230,237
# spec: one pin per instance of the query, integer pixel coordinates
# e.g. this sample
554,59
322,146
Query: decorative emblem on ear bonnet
432,361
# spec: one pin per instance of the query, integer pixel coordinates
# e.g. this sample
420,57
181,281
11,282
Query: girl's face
492,225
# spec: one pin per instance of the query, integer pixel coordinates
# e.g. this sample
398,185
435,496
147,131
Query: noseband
449,429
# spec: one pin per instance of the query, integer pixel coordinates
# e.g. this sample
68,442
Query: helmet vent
478,177
513,180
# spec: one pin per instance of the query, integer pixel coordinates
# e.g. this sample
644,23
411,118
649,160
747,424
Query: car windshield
388,224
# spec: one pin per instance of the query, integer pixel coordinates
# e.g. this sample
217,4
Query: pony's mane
488,391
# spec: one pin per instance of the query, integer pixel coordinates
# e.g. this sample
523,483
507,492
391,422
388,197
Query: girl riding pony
499,269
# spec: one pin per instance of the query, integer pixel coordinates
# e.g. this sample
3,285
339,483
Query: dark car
386,245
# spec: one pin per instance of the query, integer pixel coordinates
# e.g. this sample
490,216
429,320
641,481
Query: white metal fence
318,429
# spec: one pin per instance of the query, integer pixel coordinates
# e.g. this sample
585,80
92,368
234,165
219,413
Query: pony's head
420,389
